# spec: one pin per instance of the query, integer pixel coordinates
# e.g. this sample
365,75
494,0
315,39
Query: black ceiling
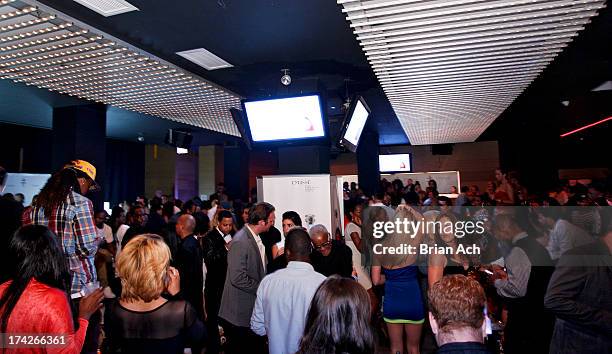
259,37
313,40
584,65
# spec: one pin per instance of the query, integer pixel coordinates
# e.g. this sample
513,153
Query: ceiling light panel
205,59
42,47
450,67
108,7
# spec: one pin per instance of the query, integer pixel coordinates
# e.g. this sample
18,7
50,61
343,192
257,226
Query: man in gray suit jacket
246,266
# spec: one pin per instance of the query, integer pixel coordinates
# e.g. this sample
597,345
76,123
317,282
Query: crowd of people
160,275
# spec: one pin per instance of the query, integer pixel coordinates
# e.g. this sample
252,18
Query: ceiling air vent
205,59
108,7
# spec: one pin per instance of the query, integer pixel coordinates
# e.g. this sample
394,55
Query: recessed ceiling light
205,59
108,8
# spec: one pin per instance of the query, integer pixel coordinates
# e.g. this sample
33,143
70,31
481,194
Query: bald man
330,256
189,263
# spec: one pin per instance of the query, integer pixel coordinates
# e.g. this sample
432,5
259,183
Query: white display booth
316,198
29,184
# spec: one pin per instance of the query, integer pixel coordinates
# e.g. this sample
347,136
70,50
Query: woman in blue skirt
403,309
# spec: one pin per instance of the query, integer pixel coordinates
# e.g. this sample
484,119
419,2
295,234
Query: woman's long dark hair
33,253
338,320
57,188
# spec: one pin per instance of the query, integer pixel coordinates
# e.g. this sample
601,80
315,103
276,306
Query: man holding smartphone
216,244
523,284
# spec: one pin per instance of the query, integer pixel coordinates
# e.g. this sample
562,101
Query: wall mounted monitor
285,119
395,163
354,123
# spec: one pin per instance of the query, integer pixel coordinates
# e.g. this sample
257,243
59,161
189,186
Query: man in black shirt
215,245
330,256
189,264
579,296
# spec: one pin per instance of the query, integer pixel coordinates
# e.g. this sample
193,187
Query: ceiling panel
42,47
450,67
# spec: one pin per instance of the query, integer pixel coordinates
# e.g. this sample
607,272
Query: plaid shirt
73,223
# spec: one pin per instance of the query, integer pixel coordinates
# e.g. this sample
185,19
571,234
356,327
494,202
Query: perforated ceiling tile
42,47
450,67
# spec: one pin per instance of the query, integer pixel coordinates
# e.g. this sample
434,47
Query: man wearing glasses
330,256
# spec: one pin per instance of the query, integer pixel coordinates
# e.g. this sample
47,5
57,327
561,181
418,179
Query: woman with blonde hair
403,309
143,321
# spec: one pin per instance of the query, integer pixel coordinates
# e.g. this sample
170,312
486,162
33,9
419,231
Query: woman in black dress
142,321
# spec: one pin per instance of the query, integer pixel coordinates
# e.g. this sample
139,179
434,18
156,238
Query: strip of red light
586,127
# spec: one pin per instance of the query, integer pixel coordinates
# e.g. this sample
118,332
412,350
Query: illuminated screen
356,124
394,163
285,118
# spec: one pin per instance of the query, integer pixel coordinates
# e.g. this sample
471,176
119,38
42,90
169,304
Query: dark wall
367,162
303,160
236,171
125,166
124,177
35,142
530,144
530,140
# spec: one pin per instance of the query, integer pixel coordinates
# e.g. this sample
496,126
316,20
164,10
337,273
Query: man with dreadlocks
62,207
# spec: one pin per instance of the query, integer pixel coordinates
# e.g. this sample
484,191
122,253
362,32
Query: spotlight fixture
140,137
286,79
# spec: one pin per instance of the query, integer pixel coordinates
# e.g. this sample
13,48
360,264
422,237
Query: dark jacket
269,239
463,348
529,325
339,261
215,257
10,221
189,264
579,296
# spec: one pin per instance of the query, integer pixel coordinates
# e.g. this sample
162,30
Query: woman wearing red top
34,301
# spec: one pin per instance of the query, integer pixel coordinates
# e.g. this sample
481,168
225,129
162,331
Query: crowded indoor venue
306,176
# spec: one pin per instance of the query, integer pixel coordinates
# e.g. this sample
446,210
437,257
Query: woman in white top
352,237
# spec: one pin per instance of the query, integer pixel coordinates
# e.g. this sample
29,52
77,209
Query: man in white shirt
283,297
563,235
104,231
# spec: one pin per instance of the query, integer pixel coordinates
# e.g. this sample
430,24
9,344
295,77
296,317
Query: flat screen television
285,119
354,122
395,163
